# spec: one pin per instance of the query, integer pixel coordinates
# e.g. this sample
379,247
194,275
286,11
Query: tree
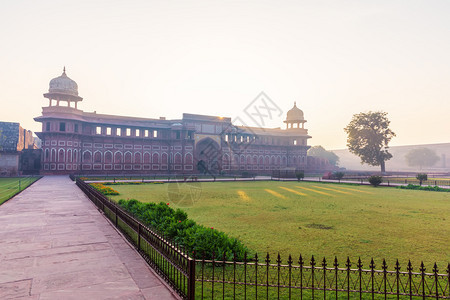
421,157
422,177
338,175
319,151
368,137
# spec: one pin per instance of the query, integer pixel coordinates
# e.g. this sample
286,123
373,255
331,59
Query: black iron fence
274,279
271,278
169,261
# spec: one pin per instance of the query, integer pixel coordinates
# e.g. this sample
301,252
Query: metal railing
169,261
267,279
252,278
15,185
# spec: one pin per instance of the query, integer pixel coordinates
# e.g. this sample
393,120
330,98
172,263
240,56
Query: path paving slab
55,244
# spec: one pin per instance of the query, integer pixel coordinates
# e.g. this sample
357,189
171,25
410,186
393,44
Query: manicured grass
12,185
324,220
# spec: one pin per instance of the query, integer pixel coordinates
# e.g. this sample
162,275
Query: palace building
78,142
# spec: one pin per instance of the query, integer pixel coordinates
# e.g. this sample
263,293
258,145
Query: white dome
295,114
63,85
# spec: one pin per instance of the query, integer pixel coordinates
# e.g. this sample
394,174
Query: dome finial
295,103
64,70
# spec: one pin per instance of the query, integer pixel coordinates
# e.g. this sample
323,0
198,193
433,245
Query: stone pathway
54,244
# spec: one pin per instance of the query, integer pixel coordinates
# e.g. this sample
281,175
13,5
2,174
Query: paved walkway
54,244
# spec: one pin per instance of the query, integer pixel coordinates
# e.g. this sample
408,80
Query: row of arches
117,157
263,160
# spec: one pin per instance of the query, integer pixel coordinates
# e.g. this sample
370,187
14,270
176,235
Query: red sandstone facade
78,142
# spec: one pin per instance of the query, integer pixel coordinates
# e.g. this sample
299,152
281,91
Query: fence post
410,278
139,236
116,214
436,279
397,278
191,279
422,273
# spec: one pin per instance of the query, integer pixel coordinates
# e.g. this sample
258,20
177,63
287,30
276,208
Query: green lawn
12,185
317,218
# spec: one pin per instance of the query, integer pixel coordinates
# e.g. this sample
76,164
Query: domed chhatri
295,114
63,84
294,118
62,88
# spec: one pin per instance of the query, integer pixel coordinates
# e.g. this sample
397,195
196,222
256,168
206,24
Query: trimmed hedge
423,188
175,225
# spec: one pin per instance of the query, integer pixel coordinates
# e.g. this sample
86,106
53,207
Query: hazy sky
163,58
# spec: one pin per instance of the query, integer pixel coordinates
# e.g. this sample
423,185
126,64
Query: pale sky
163,58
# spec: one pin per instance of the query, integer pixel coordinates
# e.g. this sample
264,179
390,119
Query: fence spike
448,270
267,258
324,263
336,264
422,267
300,260
409,268
359,265
278,259
397,266
372,264
313,261
435,269
256,257
384,265
290,260
348,264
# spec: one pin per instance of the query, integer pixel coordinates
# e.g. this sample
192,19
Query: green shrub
423,188
175,225
300,175
422,177
375,180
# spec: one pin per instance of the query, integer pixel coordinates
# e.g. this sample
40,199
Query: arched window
53,155
146,158
255,159
155,158
266,160
118,158
226,160
128,157
75,155
178,158
108,157
188,159
164,158
87,157
261,160
61,155
242,159
98,157
47,154
137,158
69,155
249,159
